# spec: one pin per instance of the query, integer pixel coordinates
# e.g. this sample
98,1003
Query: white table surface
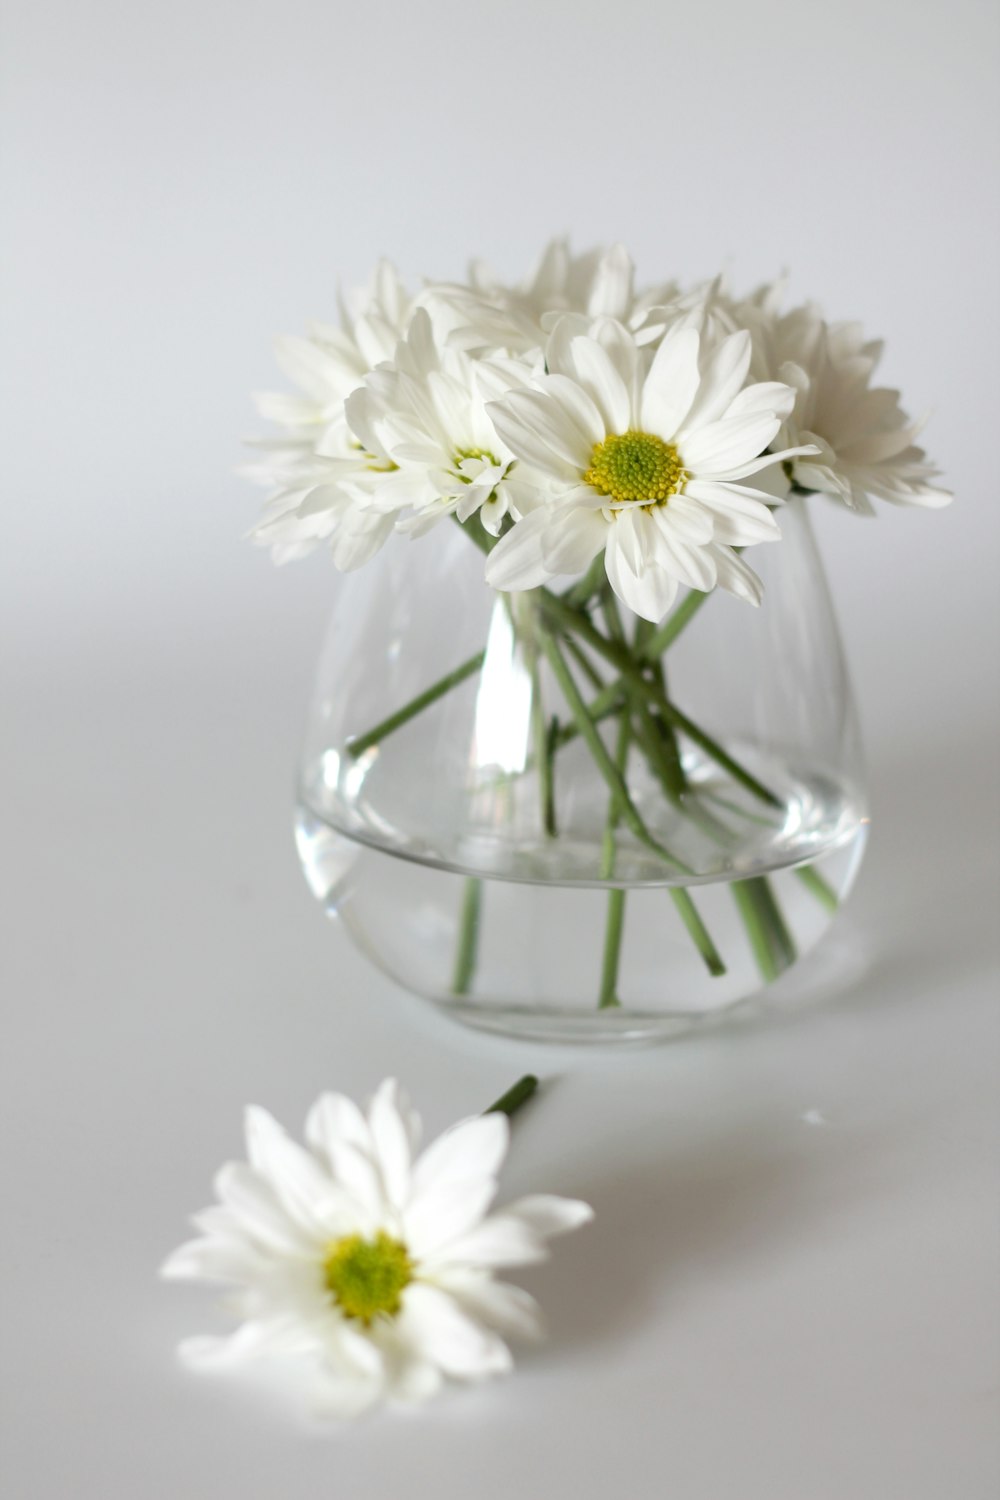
765,1308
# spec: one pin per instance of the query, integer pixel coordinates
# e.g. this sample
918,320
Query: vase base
831,971
602,1028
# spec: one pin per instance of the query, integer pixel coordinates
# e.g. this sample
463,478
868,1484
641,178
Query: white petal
334,1118
304,1189
474,1148
415,1380
259,1211
250,1340
356,1171
737,578
671,383
691,565
513,1312
611,292
596,372
436,1328
631,532
722,445
518,561
649,596
535,427
350,1344
353,546
291,411
573,540
577,405
214,1260
741,471
822,477
550,1215
441,1213
217,1220
765,395
739,520
497,1241
306,364
689,519
622,348
720,384
392,1128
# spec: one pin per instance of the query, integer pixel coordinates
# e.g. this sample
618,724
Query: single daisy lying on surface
370,1263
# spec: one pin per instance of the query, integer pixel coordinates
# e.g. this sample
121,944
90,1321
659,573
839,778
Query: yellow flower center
366,1278
635,466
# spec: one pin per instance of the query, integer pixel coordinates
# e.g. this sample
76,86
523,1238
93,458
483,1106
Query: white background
763,1307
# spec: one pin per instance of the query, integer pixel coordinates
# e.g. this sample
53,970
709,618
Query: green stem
584,663
655,737
598,749
818,887
619,655
700,935
672,752
668,771
515,1096
541,734
770,940
575,597
468,937
415,706
549,799
614,922
721,757
667,633
606,703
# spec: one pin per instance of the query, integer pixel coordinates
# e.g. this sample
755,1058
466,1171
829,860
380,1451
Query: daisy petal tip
578,1212
548,1215
257,1120
176,1267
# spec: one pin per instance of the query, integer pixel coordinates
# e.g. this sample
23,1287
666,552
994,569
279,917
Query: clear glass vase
553,820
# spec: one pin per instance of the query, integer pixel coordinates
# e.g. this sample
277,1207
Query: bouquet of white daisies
601,445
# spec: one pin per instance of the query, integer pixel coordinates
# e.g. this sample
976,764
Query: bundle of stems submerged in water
613,696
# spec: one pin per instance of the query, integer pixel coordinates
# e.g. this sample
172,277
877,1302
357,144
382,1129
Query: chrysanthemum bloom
864,440
648,459
427,413
319,475
371,1264
596,284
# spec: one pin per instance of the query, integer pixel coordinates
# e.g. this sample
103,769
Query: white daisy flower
597,284
370,1264
649,459
331,362
865,441
427,413
319,475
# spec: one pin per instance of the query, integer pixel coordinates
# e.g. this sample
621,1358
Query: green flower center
375,465
635,466
366,1278
461,454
